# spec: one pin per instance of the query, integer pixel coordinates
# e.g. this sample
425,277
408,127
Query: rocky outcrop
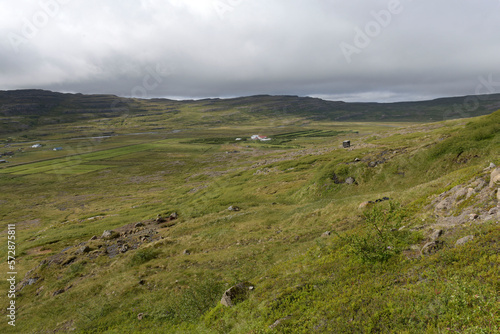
473,201
495,177
109,234
236,294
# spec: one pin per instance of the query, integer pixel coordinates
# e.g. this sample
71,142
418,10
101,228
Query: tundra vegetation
163,180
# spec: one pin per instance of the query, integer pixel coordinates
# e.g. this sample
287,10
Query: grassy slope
288,199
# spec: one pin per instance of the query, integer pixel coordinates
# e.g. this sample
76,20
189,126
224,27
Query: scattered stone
124,248
350,180
142,282
435,235
365,205
236,293
372,164
278,322
32,281
140,316
233,208
84,249
470,192
93,238
357,159
109,234
139,224
473,216
492,165
493,211
173,215
431,247
464,240
495,177
159,219
186,252
326,234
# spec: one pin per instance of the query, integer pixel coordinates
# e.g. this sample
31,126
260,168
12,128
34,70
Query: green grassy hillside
332,239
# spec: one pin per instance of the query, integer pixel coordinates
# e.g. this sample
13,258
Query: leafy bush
381,237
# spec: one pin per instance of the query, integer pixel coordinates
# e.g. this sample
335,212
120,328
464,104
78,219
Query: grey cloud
193,49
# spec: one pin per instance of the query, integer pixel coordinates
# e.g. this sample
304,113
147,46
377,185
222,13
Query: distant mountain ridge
23,109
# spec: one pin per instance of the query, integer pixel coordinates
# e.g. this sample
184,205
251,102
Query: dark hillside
22,110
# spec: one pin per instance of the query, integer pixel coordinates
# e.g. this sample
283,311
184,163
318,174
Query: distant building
57,149
346,143
259,137
36,146
3,161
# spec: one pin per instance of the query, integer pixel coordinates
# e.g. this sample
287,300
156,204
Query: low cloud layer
353,51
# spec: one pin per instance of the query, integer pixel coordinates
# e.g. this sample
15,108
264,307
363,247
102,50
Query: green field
367,275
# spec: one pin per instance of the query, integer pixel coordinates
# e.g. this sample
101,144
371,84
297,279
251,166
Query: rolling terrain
152,209
23,110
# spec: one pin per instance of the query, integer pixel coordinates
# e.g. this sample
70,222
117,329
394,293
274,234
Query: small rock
124,248
495,177
142,282
109,234
470,192
32,281
278,322
493,211
326,234
372,164
350,180
435,234
473,216
233,208
492,165
173,215
186,252
139,224
357,159
84,249
431,247
93,238
365,205
140,316
464,240
236,293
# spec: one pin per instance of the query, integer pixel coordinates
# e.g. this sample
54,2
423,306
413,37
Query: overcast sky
354,50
